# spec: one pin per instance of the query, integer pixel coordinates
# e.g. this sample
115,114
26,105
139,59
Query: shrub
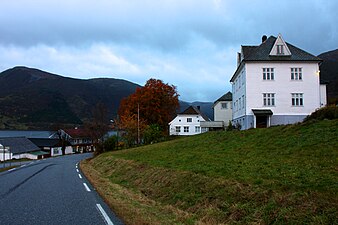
230,127
328,112
152,134
110,144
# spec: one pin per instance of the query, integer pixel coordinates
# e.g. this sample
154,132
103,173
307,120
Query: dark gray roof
192,110
46,142
18,144
262,53
225,97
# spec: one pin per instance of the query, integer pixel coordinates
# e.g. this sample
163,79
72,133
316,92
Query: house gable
280,48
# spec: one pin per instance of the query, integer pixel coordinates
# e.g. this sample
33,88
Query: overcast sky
191,44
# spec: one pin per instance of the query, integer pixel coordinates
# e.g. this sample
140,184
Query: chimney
264,37
238,58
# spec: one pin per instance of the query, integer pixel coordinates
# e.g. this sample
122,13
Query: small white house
275,83
188,122
223,109
5,153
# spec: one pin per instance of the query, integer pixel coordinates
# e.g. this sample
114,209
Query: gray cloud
188,43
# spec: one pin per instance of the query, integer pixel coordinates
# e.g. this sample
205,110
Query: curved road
51,191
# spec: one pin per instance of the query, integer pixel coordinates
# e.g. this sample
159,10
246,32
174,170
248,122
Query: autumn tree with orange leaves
156,103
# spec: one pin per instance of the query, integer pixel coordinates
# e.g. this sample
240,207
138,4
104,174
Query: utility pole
138,123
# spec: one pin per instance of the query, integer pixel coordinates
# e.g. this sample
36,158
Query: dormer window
280,50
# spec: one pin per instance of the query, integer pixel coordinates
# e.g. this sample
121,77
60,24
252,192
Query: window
186,129
240,104
178,129
55,151
269,99
197,129
296,73
224,105
243,101
189,120
268,74
204,129
297,99
280,50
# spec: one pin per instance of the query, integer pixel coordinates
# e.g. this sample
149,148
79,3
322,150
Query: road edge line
104,214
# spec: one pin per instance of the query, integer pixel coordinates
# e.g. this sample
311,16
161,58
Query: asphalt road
51,191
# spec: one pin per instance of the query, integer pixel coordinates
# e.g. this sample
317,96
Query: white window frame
178,129
269,99
189,120
197,129
224,105
296,73
186,129
268,73
297,99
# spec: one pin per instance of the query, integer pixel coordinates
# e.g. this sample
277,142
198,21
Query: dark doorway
261,121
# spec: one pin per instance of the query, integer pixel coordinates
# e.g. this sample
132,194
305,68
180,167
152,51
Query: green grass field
279,175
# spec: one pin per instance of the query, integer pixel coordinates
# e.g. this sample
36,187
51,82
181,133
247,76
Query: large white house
223,109
188,122
275,83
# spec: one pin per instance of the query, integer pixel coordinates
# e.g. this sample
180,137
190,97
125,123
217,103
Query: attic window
280,50
224,105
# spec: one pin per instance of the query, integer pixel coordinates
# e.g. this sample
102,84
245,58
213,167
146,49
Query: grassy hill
278,175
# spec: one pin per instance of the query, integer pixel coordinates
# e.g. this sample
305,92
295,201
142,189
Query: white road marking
23,165
80,176
87,188
10,170
77,170
104,214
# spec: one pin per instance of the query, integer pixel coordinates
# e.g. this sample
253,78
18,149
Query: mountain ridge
30,95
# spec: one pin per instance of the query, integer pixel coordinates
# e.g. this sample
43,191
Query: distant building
79,139
52,146
188,122
275,83
19,148
223,109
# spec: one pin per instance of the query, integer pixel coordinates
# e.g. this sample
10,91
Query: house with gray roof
275,83
188,122
19,148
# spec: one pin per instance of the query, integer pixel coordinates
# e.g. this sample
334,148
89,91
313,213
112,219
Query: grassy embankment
280,175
